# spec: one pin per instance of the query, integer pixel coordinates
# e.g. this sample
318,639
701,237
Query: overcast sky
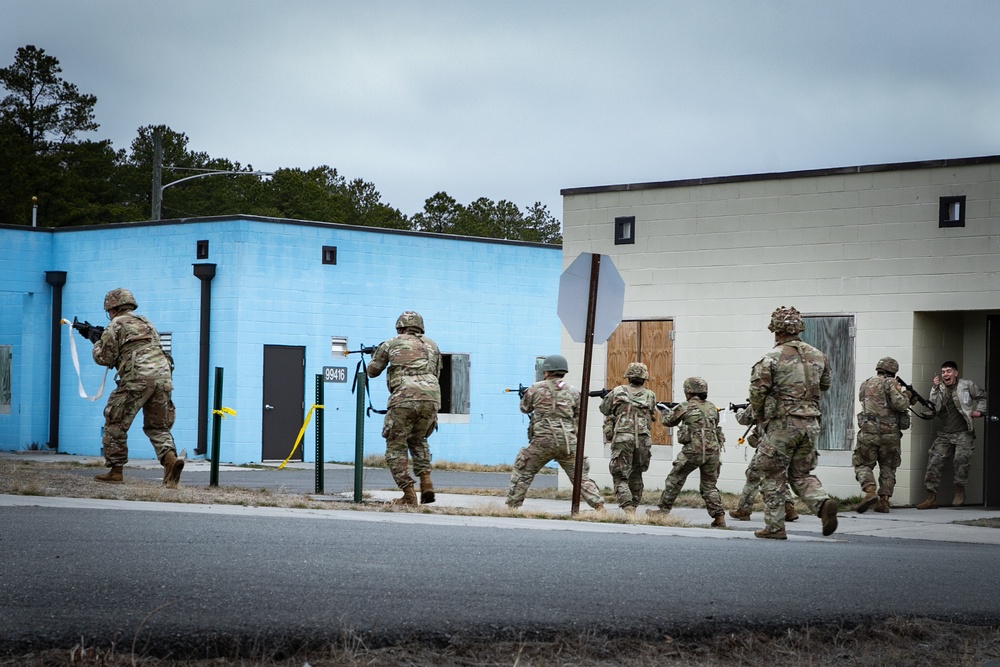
515,100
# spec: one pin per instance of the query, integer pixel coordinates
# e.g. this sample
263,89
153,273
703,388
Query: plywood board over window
834,335
650,342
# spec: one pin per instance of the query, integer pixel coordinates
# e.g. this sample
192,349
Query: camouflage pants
532,458
787,458
754,476
629,459
883,450
124,403
687,462
960,445
405,430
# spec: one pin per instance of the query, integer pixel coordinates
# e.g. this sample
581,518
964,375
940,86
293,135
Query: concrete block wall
718,257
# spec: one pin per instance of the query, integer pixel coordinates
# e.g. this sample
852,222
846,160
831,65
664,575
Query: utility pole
157,171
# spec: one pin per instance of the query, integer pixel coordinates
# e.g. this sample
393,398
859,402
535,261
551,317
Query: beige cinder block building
892,259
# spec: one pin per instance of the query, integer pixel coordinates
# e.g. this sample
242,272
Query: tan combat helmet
786,321
637,370
410,320
119,298
887,365
695,385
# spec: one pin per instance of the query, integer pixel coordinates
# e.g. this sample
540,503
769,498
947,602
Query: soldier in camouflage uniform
883,418
414,363
793,374
957,402
131,345
702,441
629,410
554,407
744,506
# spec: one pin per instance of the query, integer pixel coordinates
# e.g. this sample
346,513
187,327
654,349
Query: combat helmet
410,320
637,370
786,321
695,385
555,362
887,365
119,298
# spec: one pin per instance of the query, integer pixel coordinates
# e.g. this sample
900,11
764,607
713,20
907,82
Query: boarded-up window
834,335
5,386
454,384
649,342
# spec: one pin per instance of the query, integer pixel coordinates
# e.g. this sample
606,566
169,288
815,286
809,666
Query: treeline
81,181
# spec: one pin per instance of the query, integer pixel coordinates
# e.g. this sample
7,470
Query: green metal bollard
319,434
213,477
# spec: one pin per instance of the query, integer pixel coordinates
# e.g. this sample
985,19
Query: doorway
284,401
991,421
651,342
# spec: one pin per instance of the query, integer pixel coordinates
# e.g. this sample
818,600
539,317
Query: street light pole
158,200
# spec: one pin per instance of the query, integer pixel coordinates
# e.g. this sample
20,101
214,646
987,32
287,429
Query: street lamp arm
215,173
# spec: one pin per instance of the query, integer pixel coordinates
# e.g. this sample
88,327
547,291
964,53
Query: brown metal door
649,342
284,401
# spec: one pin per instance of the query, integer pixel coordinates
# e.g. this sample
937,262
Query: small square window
329,254
625,230
202,251
952,212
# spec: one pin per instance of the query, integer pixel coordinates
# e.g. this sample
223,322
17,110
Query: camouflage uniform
702,440
414,363
131,345
884,408
554,407
753,473
630,410
793,374
957,435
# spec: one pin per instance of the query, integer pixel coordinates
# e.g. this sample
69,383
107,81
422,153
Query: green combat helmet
410,320
695,385
786,321
119,298
555,362
887,365
637,370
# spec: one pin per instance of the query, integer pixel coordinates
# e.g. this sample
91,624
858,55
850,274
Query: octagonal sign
574,296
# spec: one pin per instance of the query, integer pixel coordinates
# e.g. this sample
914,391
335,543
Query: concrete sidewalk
901,523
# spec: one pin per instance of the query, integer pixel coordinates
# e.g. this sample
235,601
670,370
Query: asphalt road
191,580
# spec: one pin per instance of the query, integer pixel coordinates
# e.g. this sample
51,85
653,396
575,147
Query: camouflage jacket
414,363
699,422
131,345
554,406
631,409
882,402
966,395
793,373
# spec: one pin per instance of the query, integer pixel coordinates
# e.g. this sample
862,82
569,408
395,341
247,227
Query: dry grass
893,641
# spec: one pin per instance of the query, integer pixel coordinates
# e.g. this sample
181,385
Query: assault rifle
362,350
663,407
598,393
91,332
521,390
920,399
736,407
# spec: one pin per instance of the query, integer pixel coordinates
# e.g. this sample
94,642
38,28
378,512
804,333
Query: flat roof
781,175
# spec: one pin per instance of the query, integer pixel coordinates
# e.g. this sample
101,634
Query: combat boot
426,489
172,467
771,534
741,513
883,505
790,513
629,510
599,507
114,474
870,499
930,503
719,520
828,515
657,514
409,497
959,499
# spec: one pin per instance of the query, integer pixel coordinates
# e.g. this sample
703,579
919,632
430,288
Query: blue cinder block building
273,303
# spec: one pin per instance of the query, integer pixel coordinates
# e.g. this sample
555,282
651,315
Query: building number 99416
334,374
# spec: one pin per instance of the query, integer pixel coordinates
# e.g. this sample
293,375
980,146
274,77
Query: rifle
663,407
598,393
91,332
521,390
362,350
735,407
920,399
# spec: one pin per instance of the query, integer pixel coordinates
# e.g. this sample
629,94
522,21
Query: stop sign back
574,297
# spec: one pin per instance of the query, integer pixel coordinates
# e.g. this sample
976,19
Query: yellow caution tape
224,411
298,438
